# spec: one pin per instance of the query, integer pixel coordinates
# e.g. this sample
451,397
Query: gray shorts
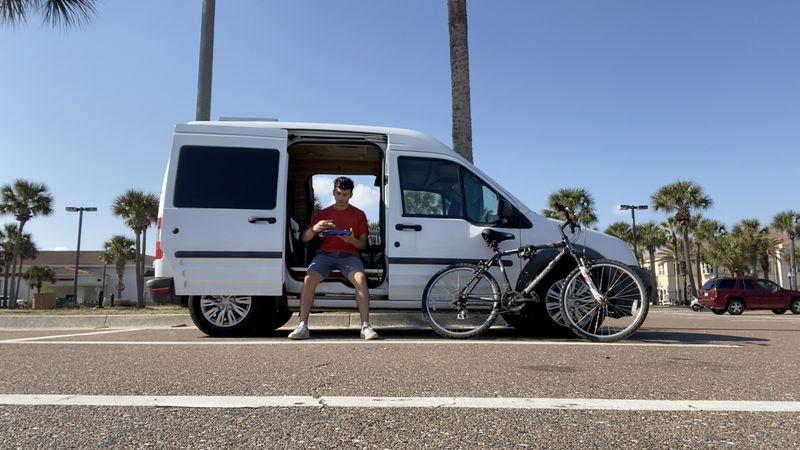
324,263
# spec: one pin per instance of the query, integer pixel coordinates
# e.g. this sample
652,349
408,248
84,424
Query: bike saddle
490,235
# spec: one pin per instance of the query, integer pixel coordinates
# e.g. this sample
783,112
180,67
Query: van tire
240,314
270,320
534,318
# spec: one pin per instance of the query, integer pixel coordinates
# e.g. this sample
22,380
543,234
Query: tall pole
633,209
80,211
633,231
206,61
77,258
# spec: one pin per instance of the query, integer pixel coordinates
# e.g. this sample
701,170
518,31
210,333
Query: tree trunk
793,268
6,273
120,275
206,63
139,299
688,259
140,282
698,264
459,77
12,300
652,252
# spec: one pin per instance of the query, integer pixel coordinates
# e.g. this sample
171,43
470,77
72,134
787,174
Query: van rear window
226,177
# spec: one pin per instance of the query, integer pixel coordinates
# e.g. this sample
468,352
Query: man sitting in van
344,231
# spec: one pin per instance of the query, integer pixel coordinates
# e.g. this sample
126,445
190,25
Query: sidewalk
411,319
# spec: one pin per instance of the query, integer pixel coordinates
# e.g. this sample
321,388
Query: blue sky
616,96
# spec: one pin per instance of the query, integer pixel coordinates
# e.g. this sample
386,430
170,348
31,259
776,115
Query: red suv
737,294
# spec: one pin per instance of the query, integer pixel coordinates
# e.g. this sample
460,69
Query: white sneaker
301,332
368,333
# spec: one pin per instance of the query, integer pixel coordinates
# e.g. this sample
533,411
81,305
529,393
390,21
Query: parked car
734,295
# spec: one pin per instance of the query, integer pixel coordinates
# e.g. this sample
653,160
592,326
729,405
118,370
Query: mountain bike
601,300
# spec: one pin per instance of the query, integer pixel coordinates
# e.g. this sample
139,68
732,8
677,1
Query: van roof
399,138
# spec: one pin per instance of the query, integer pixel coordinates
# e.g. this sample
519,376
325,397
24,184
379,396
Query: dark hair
343,183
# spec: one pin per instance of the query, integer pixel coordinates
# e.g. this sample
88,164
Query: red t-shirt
346,219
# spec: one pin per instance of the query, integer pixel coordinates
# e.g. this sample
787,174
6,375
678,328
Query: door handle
254,219
407,226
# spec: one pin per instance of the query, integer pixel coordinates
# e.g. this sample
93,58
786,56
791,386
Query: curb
98,321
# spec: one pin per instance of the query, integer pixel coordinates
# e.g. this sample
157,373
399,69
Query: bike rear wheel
618,313
458,304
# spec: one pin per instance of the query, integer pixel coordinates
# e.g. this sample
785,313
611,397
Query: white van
237,195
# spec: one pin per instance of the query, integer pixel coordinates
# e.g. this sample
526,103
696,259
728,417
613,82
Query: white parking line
89,333
354,341
400,402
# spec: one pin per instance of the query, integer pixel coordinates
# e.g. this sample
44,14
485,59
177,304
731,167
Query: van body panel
213,250
232,250
418,246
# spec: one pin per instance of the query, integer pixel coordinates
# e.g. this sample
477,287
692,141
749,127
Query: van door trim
214,254
441,261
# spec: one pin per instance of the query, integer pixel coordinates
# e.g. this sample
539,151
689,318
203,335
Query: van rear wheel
224,315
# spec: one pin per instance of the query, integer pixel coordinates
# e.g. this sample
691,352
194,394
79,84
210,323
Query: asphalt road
678,356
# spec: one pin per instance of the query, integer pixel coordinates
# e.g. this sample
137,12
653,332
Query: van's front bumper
162,290
644,275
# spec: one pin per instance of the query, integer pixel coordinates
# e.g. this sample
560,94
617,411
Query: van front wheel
224,315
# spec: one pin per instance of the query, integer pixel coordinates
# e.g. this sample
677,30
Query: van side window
430,187
226,178
482,202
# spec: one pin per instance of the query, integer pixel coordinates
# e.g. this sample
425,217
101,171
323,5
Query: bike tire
440,309
621,310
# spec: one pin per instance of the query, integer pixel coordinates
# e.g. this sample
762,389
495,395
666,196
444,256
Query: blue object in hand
335,232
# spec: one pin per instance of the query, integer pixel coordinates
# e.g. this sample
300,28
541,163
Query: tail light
159,252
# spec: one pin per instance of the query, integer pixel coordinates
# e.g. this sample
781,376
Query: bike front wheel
460,301
614,311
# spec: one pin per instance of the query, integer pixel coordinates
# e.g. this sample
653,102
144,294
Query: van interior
310,158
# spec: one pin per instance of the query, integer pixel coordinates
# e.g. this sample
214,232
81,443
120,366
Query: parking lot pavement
685,379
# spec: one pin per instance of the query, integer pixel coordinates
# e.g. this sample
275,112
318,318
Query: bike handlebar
573,224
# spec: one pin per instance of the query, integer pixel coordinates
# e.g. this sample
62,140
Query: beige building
672,288
93,276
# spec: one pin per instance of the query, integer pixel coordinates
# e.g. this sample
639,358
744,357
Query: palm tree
55,12
788,222
682,198
757,244
36,275
118,251
729,252
704,231
24,200
578,200
652,236
140,210
459,77
620,230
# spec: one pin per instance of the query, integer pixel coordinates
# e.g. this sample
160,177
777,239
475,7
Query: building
93,276
672,287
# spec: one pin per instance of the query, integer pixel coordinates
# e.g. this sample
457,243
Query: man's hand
322,225
360,244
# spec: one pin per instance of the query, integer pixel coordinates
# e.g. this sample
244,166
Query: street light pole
80,211
633,209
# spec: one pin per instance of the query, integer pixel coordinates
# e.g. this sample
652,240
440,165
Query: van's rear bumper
162,290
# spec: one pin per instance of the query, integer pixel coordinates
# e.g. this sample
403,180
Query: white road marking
399,402
58,336
354,341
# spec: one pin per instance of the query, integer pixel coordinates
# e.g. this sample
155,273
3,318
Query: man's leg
312,280
359,281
